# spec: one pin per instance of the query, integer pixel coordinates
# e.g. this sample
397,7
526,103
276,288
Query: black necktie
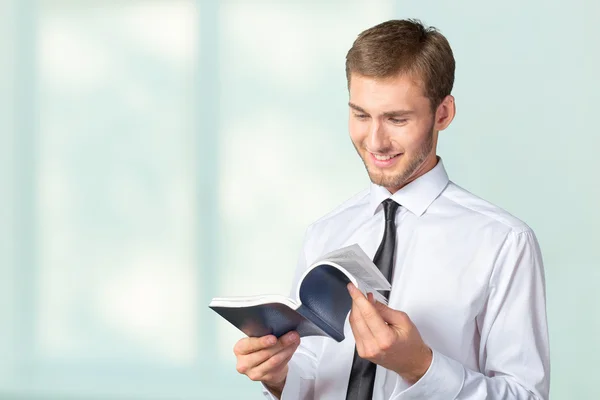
362,375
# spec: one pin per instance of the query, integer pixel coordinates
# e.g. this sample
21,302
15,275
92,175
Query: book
321,301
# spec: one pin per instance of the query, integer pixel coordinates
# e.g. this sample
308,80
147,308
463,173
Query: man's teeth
384,158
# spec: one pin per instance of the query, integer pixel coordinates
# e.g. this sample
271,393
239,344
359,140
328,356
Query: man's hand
388,337
265,359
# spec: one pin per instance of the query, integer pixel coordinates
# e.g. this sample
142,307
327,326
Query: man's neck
424,168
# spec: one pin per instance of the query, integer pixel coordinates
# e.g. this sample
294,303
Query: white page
248,301
354,260
365,288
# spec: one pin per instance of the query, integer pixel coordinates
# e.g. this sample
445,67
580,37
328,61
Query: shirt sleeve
299,383
514,354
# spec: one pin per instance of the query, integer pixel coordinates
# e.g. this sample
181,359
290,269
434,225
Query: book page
248,301
364,288
354,260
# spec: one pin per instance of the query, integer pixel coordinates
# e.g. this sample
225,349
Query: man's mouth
384,157
384,160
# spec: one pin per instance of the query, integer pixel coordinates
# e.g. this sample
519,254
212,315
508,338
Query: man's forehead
386,94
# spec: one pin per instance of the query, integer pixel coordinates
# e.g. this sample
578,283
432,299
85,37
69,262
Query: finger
391,316
273,363
251,345
252,360
357,337
289,339
367,345
248,362
369,313
360,329
371,298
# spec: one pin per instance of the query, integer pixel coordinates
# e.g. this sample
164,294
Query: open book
322,300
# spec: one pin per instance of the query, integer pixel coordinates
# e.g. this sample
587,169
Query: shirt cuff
298,384
267,393
442,381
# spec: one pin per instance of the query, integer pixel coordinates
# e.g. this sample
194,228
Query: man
466,316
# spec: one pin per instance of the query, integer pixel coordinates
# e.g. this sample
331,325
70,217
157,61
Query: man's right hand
266,358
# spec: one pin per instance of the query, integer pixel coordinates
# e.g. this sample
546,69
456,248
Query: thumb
391,316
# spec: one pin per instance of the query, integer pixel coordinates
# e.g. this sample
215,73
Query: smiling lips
384,161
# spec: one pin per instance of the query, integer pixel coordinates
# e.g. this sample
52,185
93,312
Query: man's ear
445,113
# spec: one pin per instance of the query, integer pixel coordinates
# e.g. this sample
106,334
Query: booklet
322,300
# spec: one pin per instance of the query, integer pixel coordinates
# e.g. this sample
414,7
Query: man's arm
514,351
300,377
274,391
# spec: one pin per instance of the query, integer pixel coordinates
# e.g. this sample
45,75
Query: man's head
400,76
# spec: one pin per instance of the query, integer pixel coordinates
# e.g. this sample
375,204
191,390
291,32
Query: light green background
154,154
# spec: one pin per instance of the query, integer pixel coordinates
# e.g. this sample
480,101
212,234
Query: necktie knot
389,208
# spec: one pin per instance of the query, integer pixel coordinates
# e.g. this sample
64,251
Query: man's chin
384,180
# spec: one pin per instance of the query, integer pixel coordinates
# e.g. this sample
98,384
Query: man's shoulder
343,211
474,206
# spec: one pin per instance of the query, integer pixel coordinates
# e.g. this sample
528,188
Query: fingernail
271,340
292,338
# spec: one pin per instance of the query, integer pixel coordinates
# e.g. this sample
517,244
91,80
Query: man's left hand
388,337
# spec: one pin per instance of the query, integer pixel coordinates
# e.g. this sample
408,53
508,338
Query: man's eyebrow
398,113
357,108
395,113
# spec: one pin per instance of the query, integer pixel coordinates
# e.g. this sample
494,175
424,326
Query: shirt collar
417,196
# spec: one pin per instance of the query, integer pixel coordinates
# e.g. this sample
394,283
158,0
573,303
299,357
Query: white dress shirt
468,274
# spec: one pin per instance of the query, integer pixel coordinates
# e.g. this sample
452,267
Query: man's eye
361,116
397,120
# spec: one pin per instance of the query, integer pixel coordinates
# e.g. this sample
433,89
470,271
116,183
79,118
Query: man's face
392,128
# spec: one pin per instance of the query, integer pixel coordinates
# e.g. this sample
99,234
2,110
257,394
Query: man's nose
377,139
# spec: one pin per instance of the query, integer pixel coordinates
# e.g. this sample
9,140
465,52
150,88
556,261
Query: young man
466,316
